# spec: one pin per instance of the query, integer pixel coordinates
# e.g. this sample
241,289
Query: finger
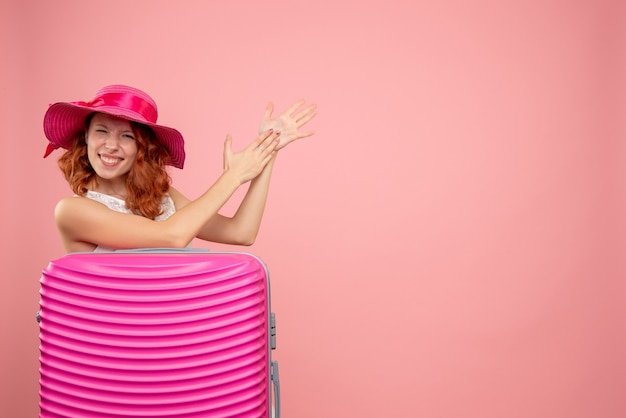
259,139
268,158
270,143
227,150
294,107
306,115
265,142
268,111
305,134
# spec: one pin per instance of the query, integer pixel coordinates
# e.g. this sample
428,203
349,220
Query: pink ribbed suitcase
157,333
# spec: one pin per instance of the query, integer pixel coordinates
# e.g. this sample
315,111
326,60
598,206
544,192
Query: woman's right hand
250,161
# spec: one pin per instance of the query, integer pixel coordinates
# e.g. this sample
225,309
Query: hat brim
63,121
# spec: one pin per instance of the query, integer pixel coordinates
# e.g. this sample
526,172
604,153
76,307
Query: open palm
288,123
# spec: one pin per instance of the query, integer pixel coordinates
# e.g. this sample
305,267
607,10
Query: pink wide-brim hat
64,120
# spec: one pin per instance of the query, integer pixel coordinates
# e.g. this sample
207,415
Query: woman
116,165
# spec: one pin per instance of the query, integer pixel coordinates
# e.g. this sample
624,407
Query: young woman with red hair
116,162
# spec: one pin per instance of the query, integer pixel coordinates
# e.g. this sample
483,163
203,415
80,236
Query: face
111,146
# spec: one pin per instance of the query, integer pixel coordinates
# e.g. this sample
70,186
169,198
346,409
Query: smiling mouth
110,161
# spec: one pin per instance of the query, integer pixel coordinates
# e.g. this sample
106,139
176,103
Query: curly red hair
147,182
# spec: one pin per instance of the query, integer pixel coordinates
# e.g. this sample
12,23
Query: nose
111,142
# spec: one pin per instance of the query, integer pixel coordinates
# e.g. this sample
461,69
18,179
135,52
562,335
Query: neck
109,187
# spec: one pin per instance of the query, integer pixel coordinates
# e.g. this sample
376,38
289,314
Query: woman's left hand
251,160
289,123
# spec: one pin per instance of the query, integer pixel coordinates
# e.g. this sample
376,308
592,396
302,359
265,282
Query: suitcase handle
276,385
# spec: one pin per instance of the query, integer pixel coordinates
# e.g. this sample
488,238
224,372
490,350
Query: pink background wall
450,243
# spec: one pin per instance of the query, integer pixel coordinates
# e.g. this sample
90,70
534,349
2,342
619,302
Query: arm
81,220
243,227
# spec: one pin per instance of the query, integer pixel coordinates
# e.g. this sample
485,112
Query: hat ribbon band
125,101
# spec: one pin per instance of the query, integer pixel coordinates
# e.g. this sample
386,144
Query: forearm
187,223
243,227
248,217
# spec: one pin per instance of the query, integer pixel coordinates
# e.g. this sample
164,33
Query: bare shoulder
74,215
74,209
66,206
71,204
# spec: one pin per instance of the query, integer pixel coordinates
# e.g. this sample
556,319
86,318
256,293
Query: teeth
109,160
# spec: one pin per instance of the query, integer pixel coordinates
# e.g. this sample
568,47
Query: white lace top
119,205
